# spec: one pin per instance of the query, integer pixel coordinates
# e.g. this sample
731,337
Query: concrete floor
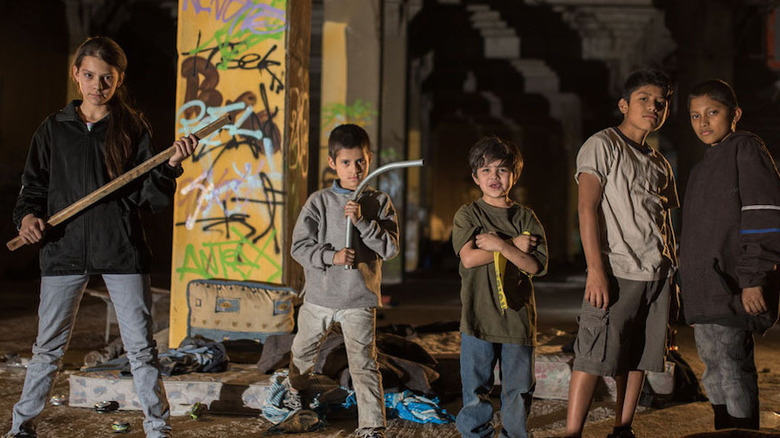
421,300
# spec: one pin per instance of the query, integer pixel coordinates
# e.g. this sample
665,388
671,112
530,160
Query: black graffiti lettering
267,122
248,61
273,198
210,224
253,61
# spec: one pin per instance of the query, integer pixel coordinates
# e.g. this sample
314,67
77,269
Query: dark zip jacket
731,234
65,163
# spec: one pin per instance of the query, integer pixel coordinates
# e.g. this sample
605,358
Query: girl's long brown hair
126,125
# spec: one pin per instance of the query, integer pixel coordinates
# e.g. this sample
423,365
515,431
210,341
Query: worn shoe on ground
22,434
371,432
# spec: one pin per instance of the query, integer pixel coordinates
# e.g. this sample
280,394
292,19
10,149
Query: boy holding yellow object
501,245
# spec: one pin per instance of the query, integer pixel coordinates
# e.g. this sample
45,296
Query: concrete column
241,192
297,148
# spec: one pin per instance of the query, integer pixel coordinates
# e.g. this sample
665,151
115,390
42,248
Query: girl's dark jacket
65,163
731,234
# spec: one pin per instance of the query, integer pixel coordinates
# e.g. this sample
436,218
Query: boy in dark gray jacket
334,294
729,251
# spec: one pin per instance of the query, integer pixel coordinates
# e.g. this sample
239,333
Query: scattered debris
298,422
196,411
106,406
58,400
120,427
14,360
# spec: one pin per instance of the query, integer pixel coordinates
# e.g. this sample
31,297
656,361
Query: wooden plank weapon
119,182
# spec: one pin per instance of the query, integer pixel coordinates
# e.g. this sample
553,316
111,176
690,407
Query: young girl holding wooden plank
75,151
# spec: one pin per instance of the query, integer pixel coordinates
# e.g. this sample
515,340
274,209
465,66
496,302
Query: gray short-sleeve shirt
638,192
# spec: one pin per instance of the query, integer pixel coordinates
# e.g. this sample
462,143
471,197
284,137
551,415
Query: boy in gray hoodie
334,294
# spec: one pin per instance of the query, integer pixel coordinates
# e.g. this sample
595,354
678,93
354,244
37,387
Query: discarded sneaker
94,358
292,400
371,432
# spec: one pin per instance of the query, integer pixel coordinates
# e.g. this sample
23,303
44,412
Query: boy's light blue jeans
478,358
359,328
730,377
60,297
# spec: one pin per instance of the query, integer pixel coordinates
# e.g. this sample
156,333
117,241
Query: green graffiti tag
239,258
359,113
251,27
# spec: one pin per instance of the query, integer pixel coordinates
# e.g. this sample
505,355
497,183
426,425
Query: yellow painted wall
350,72
334,89
229,205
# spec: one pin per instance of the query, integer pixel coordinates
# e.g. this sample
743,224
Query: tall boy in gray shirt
626,192
334,294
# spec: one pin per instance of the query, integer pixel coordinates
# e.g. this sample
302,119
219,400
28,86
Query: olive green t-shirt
482,316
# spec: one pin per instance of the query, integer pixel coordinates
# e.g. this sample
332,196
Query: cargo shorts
630,334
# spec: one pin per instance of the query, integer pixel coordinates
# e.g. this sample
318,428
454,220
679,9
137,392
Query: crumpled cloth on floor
281,401
403,363
194,355
412,407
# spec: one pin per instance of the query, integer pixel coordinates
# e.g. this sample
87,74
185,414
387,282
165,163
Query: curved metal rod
362,185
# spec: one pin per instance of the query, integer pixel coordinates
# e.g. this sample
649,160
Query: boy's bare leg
581,389
629,388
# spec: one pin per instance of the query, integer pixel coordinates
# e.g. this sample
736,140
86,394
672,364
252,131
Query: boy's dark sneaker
622,432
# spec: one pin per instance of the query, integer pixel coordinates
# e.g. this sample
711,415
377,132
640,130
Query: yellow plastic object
499,261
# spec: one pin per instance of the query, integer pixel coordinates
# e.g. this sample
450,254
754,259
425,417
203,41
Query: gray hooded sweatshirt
320,232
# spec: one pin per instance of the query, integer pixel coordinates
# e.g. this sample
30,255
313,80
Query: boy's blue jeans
60,297
478,358
730,378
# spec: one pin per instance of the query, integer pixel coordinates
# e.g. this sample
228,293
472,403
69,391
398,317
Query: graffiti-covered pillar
244,185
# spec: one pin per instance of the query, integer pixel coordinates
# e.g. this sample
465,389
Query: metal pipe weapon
362,185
